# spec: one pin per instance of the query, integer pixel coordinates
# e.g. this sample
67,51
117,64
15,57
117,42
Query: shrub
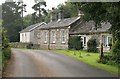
108,59
92,45
7,53
75,43
30,45
116,50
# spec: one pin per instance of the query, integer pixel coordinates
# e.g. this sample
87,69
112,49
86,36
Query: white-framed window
109,40
83,39
53,36
63,36
22,37
104,40
85,44
46,36
25,34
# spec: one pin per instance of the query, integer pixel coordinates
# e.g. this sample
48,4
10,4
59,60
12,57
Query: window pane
63,36
53,35
84,41
45,36
109,40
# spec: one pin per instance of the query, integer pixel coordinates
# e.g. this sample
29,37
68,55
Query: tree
27,20
39,10
103,12
0,11
69,9
12,21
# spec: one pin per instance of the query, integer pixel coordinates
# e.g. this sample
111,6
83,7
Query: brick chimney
60,15
53,16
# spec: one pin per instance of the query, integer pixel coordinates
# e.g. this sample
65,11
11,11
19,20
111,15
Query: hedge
75,42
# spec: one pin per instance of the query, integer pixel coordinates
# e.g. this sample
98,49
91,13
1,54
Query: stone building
87,30
55,34
27,35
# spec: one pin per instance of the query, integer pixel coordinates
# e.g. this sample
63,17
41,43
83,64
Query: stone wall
57,44
24,45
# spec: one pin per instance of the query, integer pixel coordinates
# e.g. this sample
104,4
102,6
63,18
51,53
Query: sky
50,4
30,3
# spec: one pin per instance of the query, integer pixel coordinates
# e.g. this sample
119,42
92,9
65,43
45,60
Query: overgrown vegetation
6,52
75,42
92,45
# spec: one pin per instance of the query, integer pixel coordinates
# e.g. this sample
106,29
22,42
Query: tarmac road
44,63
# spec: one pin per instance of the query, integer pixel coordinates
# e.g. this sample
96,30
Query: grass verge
90,59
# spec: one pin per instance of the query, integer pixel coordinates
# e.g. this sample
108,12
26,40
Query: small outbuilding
27,35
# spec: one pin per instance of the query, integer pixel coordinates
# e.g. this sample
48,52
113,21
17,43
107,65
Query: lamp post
21,8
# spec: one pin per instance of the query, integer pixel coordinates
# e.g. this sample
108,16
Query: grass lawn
89,58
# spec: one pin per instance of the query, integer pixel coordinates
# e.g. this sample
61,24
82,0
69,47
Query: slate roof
60,23
89,27
103,28
32,27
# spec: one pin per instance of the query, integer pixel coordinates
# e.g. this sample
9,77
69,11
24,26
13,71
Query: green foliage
116,50
92,45
90,60
69,9
75,43
37,7
27,20
30,45
11,20
5,40
6,52
104,12
109,60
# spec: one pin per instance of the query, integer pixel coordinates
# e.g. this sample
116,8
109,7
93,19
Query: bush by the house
75,43
30,45
113,57
92,45
116,51
108,59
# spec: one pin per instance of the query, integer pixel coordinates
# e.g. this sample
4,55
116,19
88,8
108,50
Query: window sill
45,42
63,42
53,42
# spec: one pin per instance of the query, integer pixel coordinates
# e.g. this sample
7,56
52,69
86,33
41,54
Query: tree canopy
11,20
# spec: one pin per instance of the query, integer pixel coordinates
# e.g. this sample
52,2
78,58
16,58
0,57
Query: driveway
44,63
